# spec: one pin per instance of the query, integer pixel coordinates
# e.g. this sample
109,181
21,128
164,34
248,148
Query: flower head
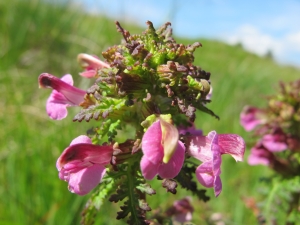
163,152
209,149
62,96
82,164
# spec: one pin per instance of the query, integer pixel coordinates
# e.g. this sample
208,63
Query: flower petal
149,170
88,73
217,186
86,179
91,62
200,148
56,106
151,143
232,144
173,167
207,178
217,160
72,94
68,79
81,139
251,117
274,142
260,155
83,153
204,174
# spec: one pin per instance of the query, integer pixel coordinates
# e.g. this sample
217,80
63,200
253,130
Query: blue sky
259,25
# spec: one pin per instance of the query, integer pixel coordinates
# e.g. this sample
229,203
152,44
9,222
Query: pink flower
181,210
208,149
91,64
275,142
163,152
251,117
260,155
62,96
82,164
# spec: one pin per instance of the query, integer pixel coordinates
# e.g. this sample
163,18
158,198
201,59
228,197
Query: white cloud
293,41
285,49
255,41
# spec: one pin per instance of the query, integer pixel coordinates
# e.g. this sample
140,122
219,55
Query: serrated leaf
146,188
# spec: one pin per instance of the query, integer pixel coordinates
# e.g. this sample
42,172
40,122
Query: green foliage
131,191
36,37
281,201
93,206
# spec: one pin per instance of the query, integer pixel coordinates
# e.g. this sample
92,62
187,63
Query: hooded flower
251,117
163,152
62,96
275,142
260,155
209,149
91,64
82,164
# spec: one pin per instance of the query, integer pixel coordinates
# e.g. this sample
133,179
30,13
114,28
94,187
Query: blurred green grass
37,37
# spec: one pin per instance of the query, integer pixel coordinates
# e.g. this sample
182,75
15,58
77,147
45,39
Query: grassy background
37,37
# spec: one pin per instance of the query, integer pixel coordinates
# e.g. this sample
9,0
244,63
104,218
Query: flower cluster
147,83
278,129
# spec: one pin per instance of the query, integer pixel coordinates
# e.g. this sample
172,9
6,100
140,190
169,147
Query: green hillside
37,37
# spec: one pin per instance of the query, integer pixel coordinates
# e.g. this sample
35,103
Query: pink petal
56,106
88,73
274,142
90,63
151,143
200,148
204,174
232,144
251,117
217,160
149,170
72,94
86,179
83,152
68,79
81,139
173,167
217,186
206,177
260,155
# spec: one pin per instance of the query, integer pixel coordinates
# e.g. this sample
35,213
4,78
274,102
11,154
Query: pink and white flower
82,164
163,152
208,149
64,94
